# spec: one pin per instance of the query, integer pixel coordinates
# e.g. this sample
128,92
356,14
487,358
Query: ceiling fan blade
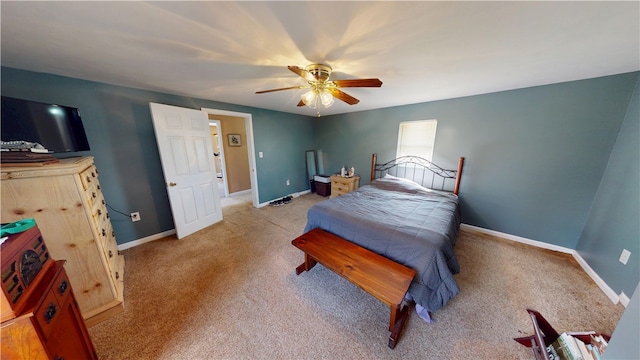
341,95
287,88
358,83
302,73
301,103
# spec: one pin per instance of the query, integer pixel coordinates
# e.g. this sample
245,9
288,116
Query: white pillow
395,178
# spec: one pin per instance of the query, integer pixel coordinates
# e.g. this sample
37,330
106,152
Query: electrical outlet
135,216
624,257
288,182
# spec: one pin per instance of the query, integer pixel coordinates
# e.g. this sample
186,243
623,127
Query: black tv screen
58,128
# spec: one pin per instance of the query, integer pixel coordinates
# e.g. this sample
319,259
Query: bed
410,214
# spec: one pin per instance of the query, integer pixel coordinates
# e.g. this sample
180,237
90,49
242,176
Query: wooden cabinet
41,319
343,185
67,203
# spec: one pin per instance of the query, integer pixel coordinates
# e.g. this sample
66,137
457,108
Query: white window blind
417,138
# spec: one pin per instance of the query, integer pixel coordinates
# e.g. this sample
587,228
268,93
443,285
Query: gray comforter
404,222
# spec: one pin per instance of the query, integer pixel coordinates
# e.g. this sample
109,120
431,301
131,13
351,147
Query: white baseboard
145,240
596,278
624,299
519,239
585,266
295,195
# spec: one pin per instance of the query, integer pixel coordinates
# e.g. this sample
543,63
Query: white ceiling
225,51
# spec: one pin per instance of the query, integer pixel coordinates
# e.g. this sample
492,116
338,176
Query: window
417,138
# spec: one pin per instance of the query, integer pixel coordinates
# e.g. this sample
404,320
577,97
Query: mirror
312,167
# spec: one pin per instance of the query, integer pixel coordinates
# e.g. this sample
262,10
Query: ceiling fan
322,90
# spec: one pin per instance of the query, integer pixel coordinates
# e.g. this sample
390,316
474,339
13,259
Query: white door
185,149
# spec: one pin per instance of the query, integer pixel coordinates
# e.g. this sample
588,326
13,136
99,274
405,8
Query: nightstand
343,185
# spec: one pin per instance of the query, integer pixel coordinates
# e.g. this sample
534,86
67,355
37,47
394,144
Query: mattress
404,222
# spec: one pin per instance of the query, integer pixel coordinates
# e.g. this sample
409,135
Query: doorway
236,155
218,157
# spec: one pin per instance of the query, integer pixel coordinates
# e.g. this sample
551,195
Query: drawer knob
172,184
93,195
93,174
117,276
99,212
104,232
50,312
64,285
110,253
88,179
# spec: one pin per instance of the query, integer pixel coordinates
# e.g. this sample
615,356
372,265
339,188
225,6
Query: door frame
248,124
223,165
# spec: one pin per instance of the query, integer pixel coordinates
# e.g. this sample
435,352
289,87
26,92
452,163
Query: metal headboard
421,171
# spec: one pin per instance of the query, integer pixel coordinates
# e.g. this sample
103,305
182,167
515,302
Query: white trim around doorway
248,124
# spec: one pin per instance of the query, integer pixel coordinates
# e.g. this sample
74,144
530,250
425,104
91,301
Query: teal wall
534,157
542,163
624,340
614,221
556,163
120,132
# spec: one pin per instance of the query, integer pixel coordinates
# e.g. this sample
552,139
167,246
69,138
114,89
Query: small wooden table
385,279
343,185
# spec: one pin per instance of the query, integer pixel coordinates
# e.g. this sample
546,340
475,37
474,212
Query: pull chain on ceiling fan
323,91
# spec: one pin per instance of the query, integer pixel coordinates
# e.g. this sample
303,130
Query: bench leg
395,315
308,263
396,322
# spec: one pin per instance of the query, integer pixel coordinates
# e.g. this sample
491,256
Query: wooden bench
385,279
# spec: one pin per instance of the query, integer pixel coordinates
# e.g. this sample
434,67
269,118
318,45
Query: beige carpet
230,292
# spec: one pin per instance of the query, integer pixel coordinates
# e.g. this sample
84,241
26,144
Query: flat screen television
58,128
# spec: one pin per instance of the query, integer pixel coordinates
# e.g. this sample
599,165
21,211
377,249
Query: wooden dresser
67,203
40,317
343,185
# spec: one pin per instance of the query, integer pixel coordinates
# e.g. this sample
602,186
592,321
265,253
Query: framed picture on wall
234,140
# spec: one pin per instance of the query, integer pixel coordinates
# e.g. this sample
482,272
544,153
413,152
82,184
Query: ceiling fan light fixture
326,98
322,90
310,98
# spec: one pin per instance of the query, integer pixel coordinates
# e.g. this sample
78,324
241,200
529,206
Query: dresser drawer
110,245
89,177
95,198
111,253
341,187
104,230
341,180
61,288
50,310
94,194
47,313
99,212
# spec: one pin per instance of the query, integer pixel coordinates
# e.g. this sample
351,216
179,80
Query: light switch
260,154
